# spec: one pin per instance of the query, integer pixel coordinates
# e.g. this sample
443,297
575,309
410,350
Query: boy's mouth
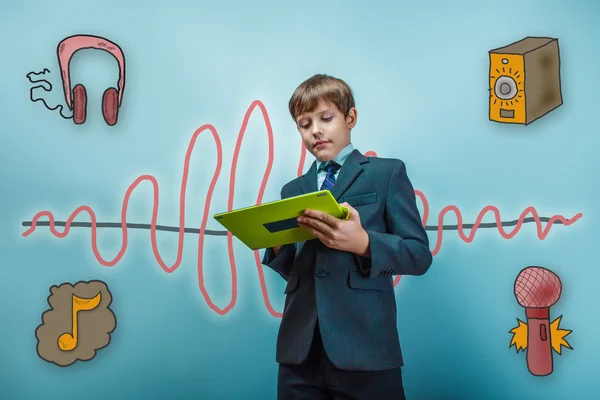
320,143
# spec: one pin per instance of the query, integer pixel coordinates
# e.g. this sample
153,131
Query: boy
338,336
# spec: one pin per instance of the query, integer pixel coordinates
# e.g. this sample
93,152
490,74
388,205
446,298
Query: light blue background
419,73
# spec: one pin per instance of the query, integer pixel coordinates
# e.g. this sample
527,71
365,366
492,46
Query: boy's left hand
335,233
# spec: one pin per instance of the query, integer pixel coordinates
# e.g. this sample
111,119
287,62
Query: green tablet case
274,223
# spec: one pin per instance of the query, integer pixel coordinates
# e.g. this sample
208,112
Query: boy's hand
335,233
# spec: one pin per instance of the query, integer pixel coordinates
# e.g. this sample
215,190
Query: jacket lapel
349,172
308,181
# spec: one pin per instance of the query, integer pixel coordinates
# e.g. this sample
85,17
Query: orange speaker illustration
525,80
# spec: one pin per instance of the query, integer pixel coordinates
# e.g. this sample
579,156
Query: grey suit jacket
352,296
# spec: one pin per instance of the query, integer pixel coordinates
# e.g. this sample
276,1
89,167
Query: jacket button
320,273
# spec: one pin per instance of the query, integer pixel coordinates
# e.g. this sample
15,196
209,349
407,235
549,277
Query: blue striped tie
329,181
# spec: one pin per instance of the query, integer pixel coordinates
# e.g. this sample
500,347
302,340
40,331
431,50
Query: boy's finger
320,215
320,226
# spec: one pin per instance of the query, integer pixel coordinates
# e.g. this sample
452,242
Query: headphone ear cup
79,104
110,109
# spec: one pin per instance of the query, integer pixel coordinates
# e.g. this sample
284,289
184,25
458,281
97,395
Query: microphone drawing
537,289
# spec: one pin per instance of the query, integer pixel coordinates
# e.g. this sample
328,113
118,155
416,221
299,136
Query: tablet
274,223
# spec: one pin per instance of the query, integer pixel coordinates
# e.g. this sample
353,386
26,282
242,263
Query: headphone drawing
76,98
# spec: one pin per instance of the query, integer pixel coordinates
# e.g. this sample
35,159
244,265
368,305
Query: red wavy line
541,233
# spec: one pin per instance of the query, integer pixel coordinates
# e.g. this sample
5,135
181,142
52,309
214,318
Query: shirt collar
340,158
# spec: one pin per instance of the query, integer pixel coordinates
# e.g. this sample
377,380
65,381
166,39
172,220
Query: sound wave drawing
440,227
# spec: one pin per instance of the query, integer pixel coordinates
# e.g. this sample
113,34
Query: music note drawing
68,341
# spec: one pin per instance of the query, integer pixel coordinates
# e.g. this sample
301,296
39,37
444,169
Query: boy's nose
316,130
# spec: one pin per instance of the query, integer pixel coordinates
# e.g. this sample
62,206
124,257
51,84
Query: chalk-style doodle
76,97
43,82
78,323
111,100
524,80
537,289
123,225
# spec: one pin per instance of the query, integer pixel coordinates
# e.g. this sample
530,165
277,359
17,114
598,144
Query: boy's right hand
277,250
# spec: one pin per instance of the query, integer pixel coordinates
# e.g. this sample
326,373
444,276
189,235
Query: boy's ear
352,117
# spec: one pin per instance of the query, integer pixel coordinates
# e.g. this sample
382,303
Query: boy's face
325,131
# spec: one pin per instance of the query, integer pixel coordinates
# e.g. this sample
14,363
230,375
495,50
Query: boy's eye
327,117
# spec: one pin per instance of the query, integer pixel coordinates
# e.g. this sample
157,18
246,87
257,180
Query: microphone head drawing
537,289
78,324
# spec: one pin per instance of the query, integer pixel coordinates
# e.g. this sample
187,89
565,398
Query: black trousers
319,379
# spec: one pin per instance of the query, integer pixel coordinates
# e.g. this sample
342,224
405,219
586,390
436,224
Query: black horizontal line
224,233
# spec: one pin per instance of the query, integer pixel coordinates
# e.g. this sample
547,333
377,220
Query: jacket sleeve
282,263
404,248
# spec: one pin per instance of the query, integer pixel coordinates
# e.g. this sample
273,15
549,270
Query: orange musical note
68,341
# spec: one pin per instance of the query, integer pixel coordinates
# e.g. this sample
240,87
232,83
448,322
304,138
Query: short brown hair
319,88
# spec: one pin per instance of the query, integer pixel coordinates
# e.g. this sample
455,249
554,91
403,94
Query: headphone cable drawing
49,89
541,232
